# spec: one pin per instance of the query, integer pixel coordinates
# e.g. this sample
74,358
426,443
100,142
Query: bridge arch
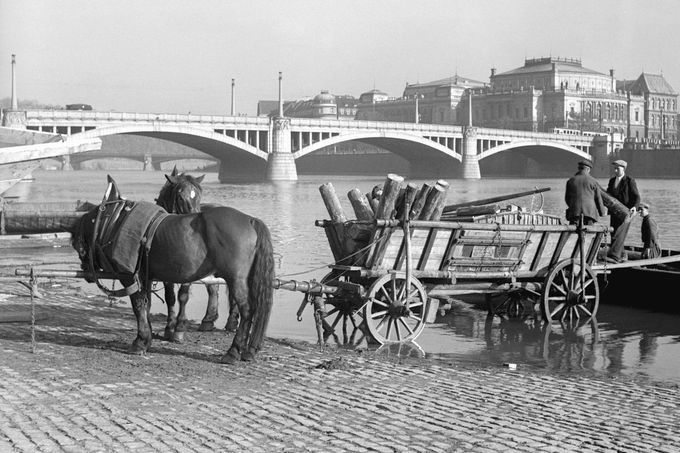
390,141
532,143
205,140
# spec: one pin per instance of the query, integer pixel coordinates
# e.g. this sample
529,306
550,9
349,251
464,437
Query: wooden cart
388,274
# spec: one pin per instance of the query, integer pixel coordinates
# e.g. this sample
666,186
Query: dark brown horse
221,241
182,194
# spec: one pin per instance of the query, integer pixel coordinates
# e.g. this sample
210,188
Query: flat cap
620,163
585,163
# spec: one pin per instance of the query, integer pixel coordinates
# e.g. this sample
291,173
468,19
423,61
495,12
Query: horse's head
181,193
81,236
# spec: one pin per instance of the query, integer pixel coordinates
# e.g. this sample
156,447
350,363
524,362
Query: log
477,210
615,208
362,209
20,222
453,207
406,201
441,201
389,197
419,202
330,199
433,199
373,203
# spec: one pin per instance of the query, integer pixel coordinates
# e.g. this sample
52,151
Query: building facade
436,102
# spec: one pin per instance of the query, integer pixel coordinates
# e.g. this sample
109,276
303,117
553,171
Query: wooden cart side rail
595,228
451,276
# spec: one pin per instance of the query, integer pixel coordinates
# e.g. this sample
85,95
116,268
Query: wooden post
362,209
389,197
407,200
332,203
433,199
441,201
419,202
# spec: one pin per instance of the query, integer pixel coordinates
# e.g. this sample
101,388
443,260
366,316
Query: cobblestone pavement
78,391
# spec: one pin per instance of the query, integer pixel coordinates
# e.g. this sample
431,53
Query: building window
637,116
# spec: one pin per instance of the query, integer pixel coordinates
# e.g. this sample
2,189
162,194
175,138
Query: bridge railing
319,123
95,116
499,134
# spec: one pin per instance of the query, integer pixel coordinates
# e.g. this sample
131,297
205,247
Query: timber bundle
424,203
427,202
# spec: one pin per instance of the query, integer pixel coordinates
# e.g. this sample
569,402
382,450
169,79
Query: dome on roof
324,98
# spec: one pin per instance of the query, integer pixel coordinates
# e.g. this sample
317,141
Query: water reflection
622,341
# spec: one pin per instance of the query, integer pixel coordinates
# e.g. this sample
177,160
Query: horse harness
121,240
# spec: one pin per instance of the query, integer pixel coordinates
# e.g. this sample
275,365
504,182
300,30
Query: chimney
493,72
15,101
233,102
611,73
280,95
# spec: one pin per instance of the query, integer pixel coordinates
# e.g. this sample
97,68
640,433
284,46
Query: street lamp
418,96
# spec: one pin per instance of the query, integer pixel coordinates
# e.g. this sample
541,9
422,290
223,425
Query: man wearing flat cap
582,196
623,188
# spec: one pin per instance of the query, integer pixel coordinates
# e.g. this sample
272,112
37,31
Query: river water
622,341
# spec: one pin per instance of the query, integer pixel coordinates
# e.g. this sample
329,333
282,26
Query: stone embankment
68,386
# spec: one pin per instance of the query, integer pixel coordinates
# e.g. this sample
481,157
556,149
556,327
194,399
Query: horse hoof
178,337
167,336
206,326
136,350
247,356
228,359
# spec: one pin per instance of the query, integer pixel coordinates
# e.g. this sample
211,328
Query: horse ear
112,192
200,179
172,179
174,171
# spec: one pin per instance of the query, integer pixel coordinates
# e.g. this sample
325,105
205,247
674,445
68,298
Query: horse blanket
124,229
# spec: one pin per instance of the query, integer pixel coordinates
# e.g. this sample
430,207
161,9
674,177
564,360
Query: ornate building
323,105
660,112
436,102
553,92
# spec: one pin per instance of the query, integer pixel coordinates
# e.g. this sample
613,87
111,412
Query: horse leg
232,320
141,307
182,298
238,296
212,312
171,323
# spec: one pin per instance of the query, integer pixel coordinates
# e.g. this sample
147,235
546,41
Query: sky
179,56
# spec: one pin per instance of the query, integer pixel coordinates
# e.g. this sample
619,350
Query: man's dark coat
582,196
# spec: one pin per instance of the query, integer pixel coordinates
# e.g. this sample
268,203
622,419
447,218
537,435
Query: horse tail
260,284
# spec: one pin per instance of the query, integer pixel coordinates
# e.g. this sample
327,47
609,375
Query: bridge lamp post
418,96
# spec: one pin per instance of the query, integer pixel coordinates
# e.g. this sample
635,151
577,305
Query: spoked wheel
342,321
395,313
565,297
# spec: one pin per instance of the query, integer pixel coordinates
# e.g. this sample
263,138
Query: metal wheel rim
563,297
387,323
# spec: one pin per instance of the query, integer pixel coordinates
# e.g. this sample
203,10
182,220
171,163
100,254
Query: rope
325,266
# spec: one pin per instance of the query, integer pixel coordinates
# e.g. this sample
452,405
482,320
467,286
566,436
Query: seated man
623,188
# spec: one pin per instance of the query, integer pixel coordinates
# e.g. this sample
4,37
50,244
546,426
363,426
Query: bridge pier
470,164
66,163
280,162
148,162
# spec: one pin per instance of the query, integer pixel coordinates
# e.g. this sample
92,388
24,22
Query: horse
183,248
182,194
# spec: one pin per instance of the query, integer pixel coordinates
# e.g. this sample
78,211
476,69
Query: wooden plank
550,243
530,250
437,250
569,247
391,250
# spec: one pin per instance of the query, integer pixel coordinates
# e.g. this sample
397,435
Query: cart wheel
514,303
394,313
342,321
564,298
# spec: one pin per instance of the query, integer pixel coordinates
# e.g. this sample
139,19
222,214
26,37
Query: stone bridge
253,147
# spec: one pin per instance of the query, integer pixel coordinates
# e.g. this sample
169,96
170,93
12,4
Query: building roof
651,83
545,64
465,82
